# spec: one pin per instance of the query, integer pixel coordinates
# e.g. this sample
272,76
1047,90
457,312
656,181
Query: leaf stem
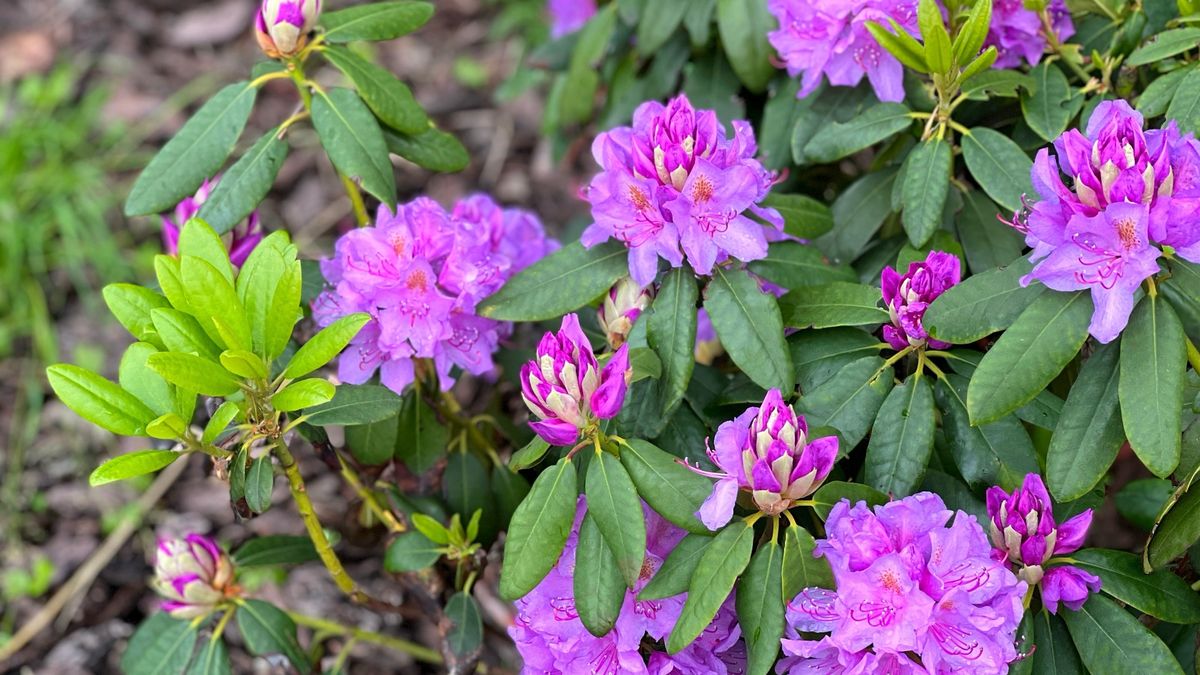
1193,354
370,499
418,652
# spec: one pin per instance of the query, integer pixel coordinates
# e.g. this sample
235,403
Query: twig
413,649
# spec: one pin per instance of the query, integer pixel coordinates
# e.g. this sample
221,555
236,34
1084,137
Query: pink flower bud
282,26
625,302
193,575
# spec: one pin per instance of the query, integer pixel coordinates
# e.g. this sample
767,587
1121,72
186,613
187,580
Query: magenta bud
193,575
625,302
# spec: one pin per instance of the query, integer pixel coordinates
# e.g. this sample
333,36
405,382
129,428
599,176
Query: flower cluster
907,297
1131,191
551,638
906,584
674,185
1024,533
565,386
1017,31
568,16
625,302
830,38
765,451
282,26
193,574
244,236
419,272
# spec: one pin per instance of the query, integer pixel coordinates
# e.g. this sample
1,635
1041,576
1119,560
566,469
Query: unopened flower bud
242,239
908,295
625,302
193,574
282,26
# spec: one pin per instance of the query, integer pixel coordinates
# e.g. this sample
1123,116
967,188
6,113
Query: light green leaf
193,373
131,305
131,465
99,401
303,394
325,345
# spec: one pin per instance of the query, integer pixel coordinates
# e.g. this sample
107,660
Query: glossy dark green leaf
466,624
1177,529
243,187
671,332
748,322
673,577
858,213
421,440
1030,354
598,584
1158,95
355,404
801,569
1089,433
1153,363
376,21
373,443
509,489
1110,641
1165,44
275,550
1141,500
1055,653
760,606
538,530
386,96
987,242
658,22
212,659
672,490
354,142
791,264
743,27
803,216
997,453
819,354
849,400
875,124
467,489
161,644
613,503
833,304
715,575
194,154
981,305
1160,594
267,630
1045,106
999,165
902,440
833,492
260,480
529,455
431,149
563,281
926,183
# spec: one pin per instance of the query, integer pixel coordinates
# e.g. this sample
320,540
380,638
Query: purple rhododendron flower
193,574
907,297
243,238
830,38
766,452
622,306
281,26
568,16
1025,533
552,640
419,272
1017,32
1130,190
673,185
906,583
565,386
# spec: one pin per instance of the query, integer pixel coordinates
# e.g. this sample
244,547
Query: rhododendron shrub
875,351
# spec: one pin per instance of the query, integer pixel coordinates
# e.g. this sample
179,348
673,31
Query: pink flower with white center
565,386
766,452
243,238
193,574
282,26
622,306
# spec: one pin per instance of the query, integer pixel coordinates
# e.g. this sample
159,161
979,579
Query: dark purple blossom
1017,32
907,297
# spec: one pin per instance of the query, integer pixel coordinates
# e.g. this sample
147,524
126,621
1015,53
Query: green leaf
509,488
466,488
267,630
325,345
212,659
410,552
743,27
1160,594
194,154
748,322
1153,363
999,165
658,23
1141,500
981,305
1044,107
1177,528
131,465
563,281
529,455
903,46
99,401
131,305
214,303
902,440
819,354
1055,653
997,453
244,364
718,569
193,373
834,304
1089,432
803,216
792,264
1165,44
760,607
431,149
538,530
858,213
833,492
1157,96
937,41
849,400
386,96
671,333
180,332
988,242
375,22
599,587
673,577
421,441
466,626
161,644
135,376
1184,108
801,569
1031,353
303,394
283,311
373,443
973,32
260,482
926,183
244,186
875,124
355,404
275,550
352,139
672,490
613,503
1110,641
